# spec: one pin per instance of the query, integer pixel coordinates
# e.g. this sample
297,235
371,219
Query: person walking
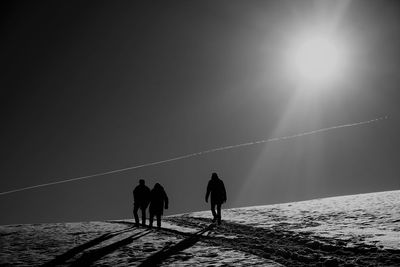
217,190
141,198
158,201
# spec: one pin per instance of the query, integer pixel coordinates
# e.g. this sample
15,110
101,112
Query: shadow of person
76,250
168,251
90,257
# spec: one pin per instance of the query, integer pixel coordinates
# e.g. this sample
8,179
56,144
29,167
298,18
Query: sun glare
316,60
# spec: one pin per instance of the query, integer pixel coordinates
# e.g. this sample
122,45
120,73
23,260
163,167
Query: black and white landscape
287,111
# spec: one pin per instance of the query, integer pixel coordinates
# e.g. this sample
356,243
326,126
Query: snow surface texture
357,219
357,230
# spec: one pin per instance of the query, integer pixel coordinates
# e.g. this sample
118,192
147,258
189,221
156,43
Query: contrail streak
195,155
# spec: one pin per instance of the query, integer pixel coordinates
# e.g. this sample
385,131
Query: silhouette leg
158,220
143,216
219,213
135,214
151,219
213,211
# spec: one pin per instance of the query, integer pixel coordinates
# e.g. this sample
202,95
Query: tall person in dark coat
158,201
217,190
141,198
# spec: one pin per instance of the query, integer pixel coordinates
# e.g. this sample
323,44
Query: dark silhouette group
157,200
156,197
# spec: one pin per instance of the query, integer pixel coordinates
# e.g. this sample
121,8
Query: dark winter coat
158,200
217,190
141,195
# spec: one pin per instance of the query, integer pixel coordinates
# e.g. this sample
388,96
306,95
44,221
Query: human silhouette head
141,182
157,186
214,176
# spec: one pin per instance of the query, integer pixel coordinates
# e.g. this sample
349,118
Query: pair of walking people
155,198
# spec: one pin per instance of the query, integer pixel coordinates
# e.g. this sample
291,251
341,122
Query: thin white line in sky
194,155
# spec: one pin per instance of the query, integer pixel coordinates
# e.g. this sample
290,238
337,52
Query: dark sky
94,86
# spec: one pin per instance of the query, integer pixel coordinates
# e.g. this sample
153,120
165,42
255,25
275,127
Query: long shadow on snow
74,251
168,251
294,249
90,257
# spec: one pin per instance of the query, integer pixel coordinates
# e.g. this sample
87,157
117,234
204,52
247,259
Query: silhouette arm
208,191
224,192
166,200
148,196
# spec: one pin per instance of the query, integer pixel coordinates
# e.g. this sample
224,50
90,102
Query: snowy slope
357,230
357,219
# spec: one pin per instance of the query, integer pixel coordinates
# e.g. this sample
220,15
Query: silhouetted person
217,190
141,198
158,201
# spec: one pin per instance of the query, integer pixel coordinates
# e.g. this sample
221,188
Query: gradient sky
94,86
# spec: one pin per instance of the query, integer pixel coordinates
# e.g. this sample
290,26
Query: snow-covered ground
356,230
357,219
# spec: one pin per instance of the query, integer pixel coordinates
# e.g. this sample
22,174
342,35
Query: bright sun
316,60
